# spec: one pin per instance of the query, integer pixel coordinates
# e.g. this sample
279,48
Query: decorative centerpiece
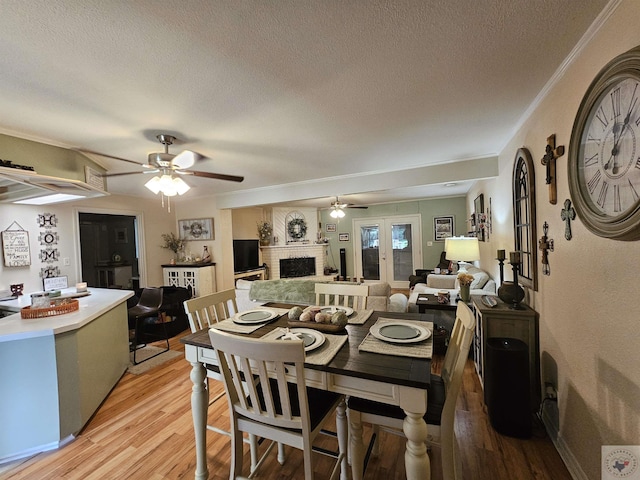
465,281
175,244
264,233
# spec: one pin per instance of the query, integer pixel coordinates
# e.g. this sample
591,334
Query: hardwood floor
143,431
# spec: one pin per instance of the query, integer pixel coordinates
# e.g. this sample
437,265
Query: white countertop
101,300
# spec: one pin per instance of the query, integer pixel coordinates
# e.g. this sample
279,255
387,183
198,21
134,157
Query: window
524,218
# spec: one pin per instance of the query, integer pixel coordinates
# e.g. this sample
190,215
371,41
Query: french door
387,248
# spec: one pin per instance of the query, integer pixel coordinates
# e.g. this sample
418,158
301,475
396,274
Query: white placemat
360,317
321,355
418,350
229,325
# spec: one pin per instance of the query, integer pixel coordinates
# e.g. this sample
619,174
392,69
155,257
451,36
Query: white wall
588,306
155,221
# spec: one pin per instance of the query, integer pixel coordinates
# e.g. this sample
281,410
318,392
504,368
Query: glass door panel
370,248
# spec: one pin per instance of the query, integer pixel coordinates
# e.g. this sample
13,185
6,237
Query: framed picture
479,217
443,227
121,235
343,237
331,227
196,229
15,248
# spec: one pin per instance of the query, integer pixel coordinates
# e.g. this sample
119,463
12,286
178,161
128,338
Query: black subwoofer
506,385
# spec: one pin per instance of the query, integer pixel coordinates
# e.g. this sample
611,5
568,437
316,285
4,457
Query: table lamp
462,250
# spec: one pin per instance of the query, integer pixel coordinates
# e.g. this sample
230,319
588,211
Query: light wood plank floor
143,431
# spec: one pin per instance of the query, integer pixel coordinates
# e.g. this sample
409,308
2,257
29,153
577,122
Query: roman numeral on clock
602,198
600,115
633,191
616,199
588,162
593,182
615,103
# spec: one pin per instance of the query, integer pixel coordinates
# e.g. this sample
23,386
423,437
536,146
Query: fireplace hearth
297,267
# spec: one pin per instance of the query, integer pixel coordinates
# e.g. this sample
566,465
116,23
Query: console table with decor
504,321
200,278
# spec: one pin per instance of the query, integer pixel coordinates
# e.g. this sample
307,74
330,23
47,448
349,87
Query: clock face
609,161
604,153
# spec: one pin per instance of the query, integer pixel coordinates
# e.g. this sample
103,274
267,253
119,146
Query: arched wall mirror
524,217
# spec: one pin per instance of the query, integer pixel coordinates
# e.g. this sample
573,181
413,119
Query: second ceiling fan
337,208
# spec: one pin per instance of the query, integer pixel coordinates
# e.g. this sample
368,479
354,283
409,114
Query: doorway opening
109,250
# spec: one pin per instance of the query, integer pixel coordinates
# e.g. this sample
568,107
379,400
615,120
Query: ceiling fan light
153,185
180,186
333,213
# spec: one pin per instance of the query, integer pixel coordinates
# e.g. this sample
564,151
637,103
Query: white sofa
482,284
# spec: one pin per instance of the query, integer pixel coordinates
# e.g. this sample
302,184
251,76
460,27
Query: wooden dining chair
277,405
204,312
441,399
341,294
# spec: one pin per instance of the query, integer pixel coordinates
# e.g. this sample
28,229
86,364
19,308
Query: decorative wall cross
549,160
545,244
567,214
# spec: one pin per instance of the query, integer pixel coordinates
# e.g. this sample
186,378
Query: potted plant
465,281
264,232
173,243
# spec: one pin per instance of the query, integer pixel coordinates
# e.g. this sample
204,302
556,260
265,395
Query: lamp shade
462,249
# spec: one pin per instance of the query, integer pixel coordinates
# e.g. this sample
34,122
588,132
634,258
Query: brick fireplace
273,254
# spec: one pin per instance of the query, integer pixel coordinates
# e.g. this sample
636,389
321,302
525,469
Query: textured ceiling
288,93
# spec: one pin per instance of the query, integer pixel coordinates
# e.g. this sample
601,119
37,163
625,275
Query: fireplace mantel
272,254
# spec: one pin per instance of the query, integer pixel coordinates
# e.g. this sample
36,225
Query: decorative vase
510,293
264,242
465,292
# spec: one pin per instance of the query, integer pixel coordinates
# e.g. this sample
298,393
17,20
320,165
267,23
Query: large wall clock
604,153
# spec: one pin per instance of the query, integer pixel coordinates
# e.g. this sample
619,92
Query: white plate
312,338
399,332
257,315
331,309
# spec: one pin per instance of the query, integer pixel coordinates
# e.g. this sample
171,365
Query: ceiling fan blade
186,159
355,206
218,176
120,174
82,150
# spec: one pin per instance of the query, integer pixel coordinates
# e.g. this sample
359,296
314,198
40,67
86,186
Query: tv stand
257,272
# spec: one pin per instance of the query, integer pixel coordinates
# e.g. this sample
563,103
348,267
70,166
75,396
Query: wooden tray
67,307
322,327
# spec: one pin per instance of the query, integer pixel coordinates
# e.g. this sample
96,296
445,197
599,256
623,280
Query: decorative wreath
299,232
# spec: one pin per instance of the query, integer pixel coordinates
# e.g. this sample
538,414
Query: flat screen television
246,255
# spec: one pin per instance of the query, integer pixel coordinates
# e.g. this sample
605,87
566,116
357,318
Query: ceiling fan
337,208
167,164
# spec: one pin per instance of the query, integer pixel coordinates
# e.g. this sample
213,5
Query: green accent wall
427,209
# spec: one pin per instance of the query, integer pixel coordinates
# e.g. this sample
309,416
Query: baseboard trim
563,449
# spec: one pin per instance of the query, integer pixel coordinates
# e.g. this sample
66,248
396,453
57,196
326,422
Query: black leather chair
148,307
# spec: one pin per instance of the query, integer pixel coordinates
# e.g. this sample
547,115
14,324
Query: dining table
393,379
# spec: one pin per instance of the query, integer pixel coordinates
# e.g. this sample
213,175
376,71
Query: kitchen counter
56,371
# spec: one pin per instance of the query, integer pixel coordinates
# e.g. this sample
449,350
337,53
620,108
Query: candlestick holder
501,263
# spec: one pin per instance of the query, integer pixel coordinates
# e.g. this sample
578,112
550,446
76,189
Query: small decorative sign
197,229
15,247
343,237
55,283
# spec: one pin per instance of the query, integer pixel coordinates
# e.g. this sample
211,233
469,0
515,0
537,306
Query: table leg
199,406
356,447
343,432
416,460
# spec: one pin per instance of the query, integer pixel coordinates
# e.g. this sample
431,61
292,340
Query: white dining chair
441,399
204,312
273,406
341,294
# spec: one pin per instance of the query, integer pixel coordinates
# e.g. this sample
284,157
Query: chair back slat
267,363
340,294
210,309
